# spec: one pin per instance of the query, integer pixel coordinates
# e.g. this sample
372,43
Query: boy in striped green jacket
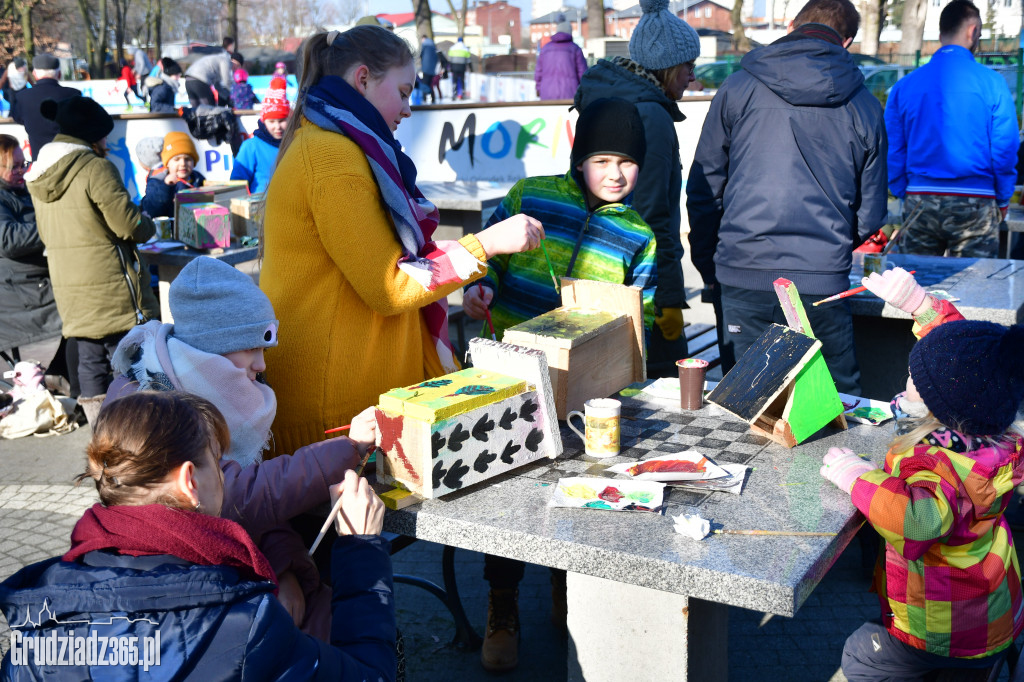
590,233
590,230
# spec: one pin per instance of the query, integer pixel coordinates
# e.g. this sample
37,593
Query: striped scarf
333,104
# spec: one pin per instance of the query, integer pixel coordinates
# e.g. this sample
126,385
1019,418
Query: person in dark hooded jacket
154,561
663,50
788,177
27,309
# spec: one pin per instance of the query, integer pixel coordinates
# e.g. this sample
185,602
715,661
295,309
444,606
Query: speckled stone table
989,289
645,601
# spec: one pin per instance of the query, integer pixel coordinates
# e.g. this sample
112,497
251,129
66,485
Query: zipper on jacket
579,238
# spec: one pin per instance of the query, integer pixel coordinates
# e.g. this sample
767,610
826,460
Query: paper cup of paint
601,426
874,262
691,383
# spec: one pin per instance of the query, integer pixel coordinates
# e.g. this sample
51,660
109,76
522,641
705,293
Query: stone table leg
623,632
166,275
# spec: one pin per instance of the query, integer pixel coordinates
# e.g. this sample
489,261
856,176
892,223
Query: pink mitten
896,287
842,466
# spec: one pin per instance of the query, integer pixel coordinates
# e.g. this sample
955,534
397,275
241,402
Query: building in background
497,19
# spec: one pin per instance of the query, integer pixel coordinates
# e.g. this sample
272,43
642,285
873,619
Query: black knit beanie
80,117
971,375
609,126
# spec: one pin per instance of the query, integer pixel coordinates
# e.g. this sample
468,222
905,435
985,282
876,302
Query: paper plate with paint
583,492
681,466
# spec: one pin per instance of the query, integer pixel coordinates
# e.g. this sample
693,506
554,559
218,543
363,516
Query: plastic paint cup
691,383
874,262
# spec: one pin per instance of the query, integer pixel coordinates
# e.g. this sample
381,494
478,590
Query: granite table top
509,516
463,195
990,289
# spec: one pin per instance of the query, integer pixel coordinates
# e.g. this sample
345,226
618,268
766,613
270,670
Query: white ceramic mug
601,426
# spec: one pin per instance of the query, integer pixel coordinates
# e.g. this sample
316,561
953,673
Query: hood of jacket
805,71
624,78
59,163
562,37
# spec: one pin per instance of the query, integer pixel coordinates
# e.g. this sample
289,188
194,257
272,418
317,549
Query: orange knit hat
176,143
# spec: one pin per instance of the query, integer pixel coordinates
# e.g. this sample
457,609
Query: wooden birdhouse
781,385
594,343
441,435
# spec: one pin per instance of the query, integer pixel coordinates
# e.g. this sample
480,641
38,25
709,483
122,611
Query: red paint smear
569,133
390,432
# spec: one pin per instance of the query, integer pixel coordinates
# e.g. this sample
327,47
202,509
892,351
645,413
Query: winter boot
500,650
91,407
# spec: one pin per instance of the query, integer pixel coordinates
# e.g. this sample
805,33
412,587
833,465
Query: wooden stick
722,531
338,428
847,294
551,269
336,509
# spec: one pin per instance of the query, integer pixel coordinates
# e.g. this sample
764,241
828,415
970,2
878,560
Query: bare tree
460,18
348,10
914,14
740,42
595,19
424,27
871,12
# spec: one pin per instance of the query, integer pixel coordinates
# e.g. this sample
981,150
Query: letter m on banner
448,138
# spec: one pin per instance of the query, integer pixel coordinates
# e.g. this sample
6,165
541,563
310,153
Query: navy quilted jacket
212,624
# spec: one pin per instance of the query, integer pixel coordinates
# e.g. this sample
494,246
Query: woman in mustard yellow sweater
348,263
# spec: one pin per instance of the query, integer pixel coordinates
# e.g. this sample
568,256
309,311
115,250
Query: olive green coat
90,228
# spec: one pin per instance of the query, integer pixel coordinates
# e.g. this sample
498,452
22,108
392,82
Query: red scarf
154,529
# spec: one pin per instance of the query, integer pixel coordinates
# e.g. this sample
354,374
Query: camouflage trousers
967,226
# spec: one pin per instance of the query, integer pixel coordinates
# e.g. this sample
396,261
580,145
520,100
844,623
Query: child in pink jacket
214,349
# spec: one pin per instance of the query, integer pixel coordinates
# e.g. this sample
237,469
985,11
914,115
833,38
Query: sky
395,6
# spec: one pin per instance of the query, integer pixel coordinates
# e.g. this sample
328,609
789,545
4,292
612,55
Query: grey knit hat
661,39
148,151
219,309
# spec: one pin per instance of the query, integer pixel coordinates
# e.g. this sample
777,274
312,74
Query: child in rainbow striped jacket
948,581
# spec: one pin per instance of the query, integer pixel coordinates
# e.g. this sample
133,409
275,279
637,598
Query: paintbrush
338,428
551,269
336,509
487,311
722,531
847,294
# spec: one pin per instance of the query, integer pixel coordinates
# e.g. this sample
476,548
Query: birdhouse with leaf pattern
445,434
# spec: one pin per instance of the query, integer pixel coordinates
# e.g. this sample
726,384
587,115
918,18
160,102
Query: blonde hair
333,53
668,75
140,439
911,431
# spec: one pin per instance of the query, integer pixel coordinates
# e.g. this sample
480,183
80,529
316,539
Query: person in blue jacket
953,141
257,155
155,562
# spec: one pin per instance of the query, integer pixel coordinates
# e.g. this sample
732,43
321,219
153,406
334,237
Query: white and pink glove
898,288
843,466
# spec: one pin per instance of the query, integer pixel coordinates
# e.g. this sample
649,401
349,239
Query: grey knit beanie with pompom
661,39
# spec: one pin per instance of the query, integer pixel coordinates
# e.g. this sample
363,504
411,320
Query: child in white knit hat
222,325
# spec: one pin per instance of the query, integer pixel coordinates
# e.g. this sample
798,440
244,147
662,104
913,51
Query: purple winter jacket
560,65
